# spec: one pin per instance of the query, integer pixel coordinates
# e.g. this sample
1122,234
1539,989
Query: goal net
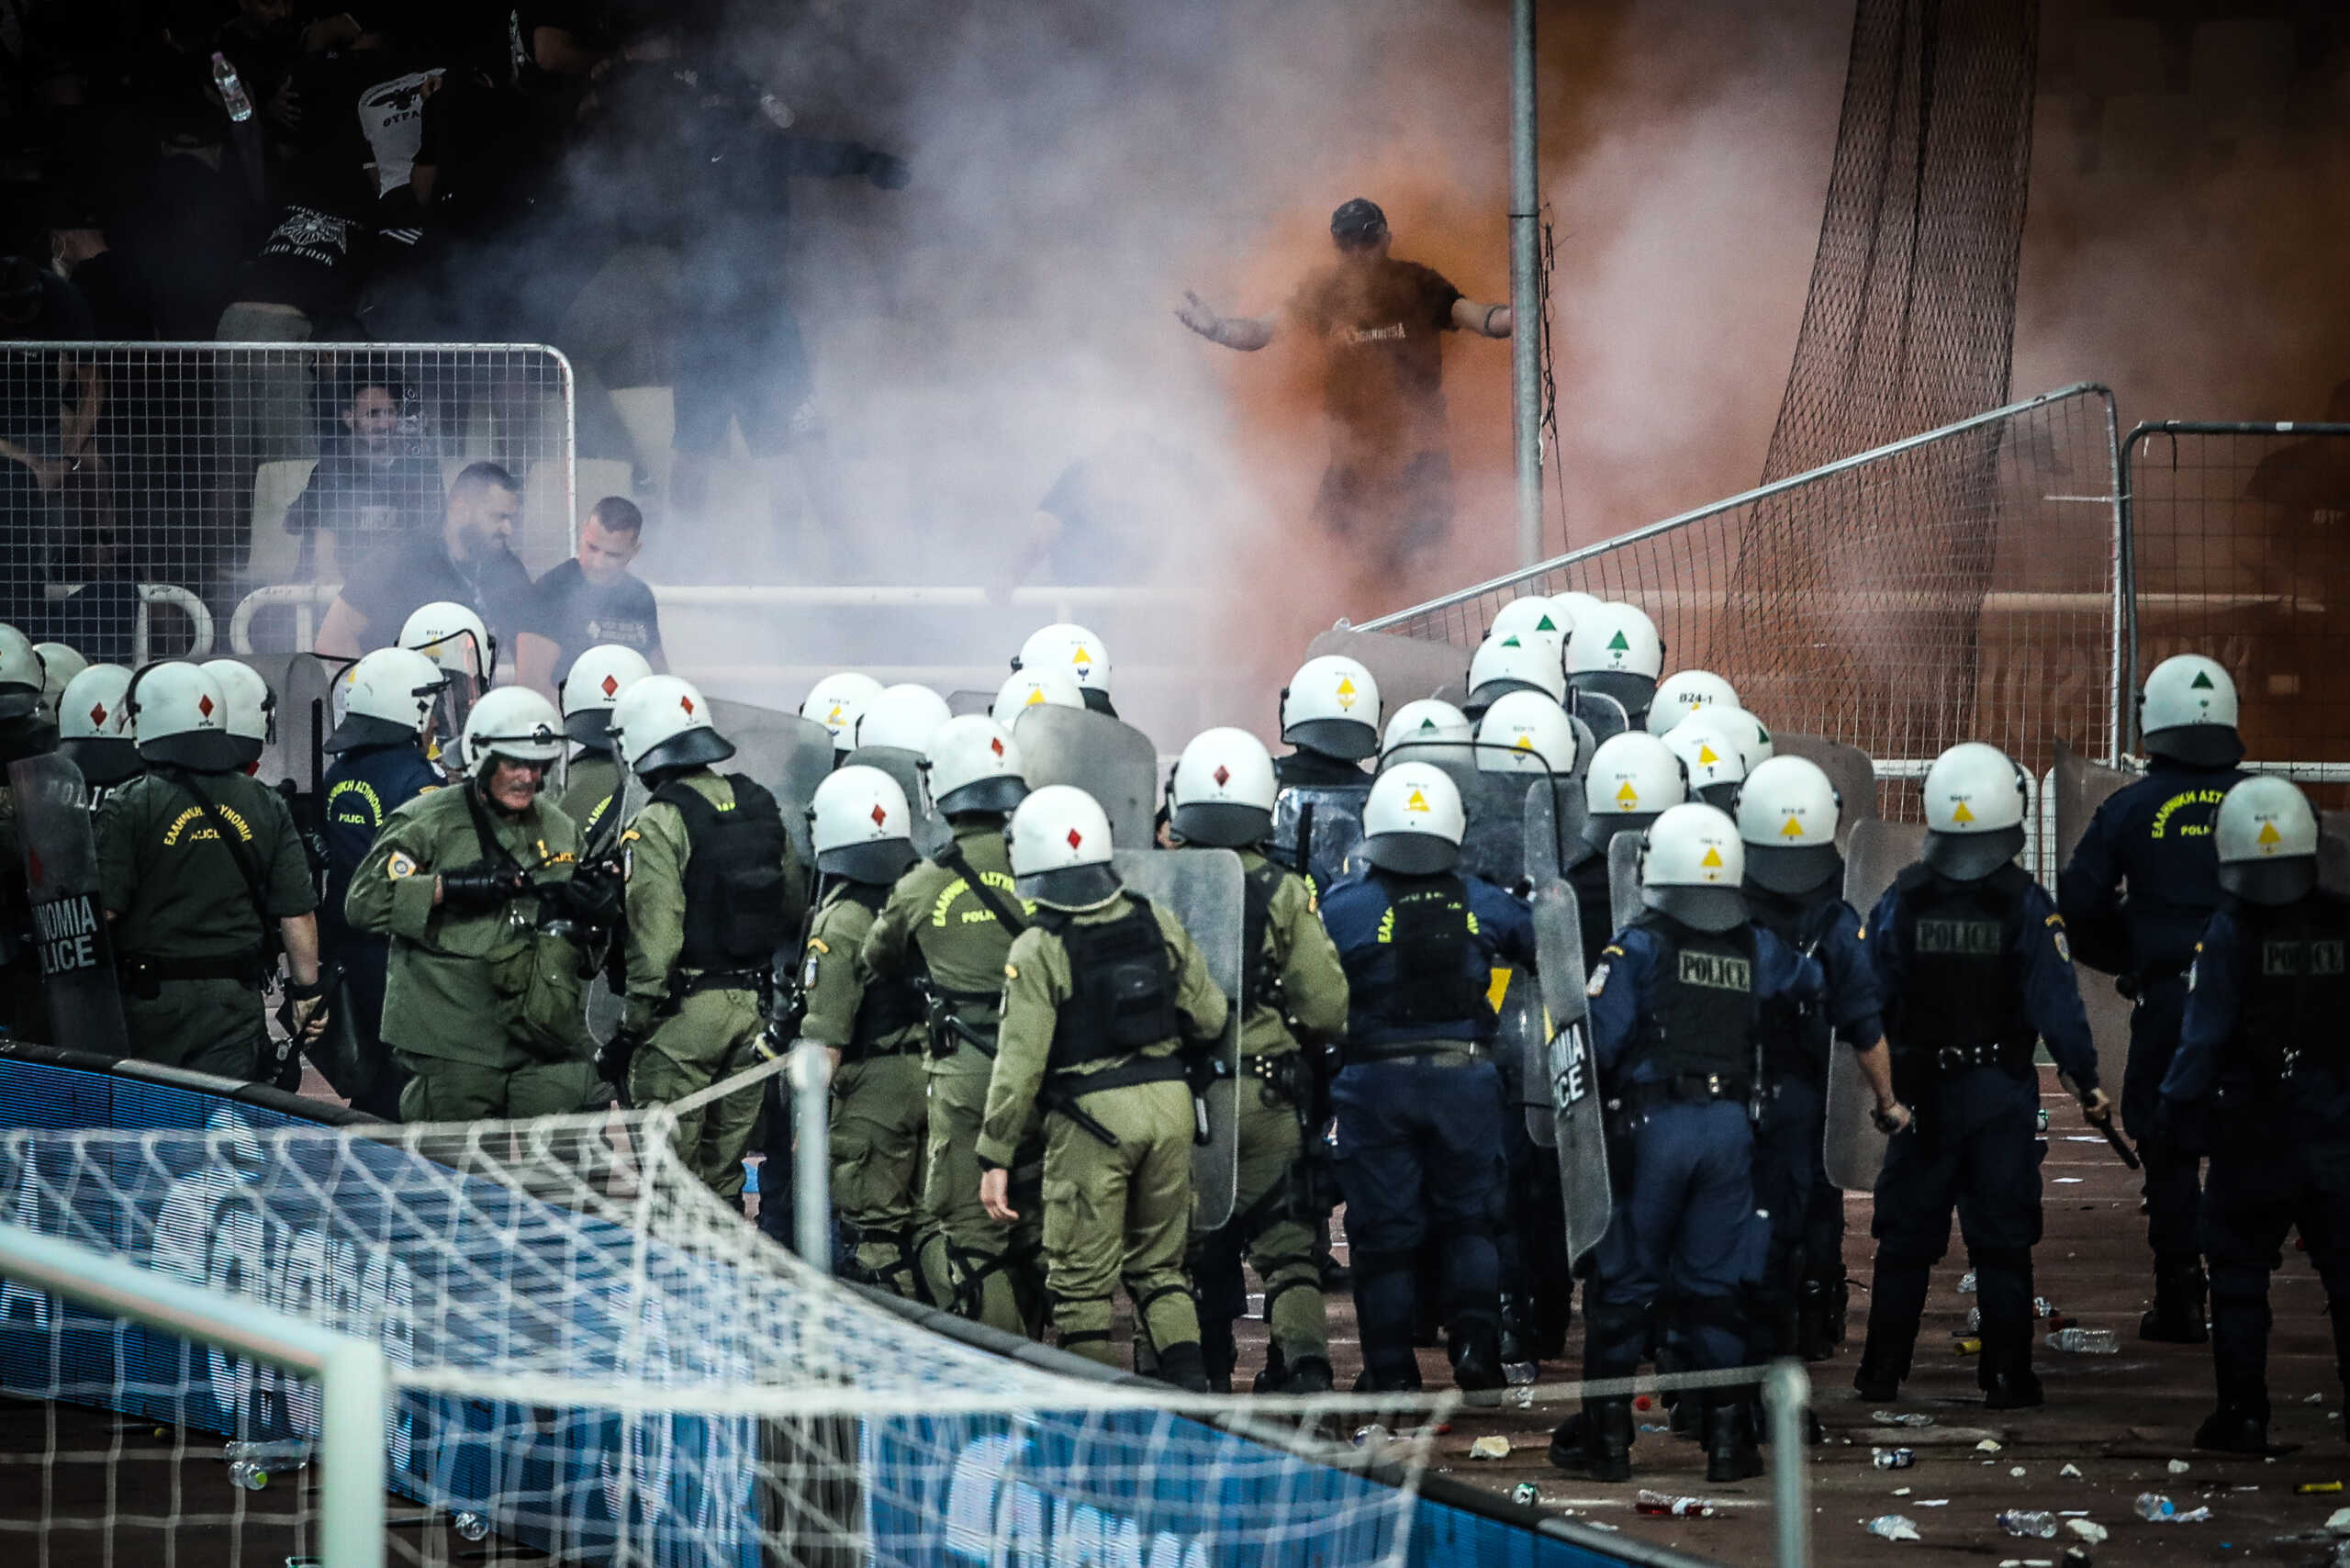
595,1358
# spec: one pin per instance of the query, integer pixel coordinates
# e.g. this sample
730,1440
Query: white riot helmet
514,722
1413,822
1740,728
2266,838
1221,795
1684,691
1975,802
1027,689
1059,843
861,826
180,719
1427,730
664,721
1074,651
902,718
1575,604
93,725
1515,662
1633,779
974,765
591,687
835,703
1331,706
2187,712
1714,765
59,665
453,637
1693,868
1526,732
388,698
20,675
252,706
1787,814
1532,613
1616,653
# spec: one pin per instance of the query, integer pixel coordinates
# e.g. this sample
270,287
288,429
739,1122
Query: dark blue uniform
1419,1112
361,791
2140,888
1972,975
1806,1264
2262,1074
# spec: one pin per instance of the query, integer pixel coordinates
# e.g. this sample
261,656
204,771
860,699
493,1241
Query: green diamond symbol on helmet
1619,643
2202,681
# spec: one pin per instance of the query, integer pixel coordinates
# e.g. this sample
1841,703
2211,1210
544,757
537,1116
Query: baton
2121,1145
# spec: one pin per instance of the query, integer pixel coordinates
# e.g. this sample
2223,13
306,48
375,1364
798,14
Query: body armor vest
1964,991
887,1006
1703,1015
734,892
1122,987
1438,975
2295,989
1795,1036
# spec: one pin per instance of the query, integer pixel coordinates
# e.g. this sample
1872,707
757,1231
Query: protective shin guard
1181,1365
1731,1452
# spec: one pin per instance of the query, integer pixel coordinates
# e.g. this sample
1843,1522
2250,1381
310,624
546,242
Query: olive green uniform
474,1000
695,1033
1109,1213
878,1110
590,789
934,926
24,1012
194,950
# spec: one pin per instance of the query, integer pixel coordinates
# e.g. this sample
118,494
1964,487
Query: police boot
2239,1326
1758,1417
1218,1354
1519,1363
1477,1361
2177,1316
1270,1381
1897,1299
1183,1366
1597,1442
1731,1453
1819,1319
1307,1375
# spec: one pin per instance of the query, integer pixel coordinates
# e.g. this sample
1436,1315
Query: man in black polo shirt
593,598
465,560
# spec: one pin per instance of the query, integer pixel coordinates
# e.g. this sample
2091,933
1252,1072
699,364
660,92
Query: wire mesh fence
1959,585
220,467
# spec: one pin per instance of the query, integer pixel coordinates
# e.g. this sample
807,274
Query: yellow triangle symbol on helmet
1416,801
1526,742
1034,696
1346,691
1080,656
1713,858
2268,834
1627,796
1962,814
1793,830
1705,758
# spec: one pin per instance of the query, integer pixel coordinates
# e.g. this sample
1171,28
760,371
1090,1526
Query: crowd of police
1553,984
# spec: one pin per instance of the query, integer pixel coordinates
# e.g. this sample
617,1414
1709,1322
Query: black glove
613,1059
888,171
481,886
594,895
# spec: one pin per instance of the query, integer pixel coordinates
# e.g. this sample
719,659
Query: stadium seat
275,555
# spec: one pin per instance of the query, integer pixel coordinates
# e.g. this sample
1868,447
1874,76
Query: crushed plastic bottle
2090,1531
2084,1342
1373,1436
1901,1419
232,90
1893,1459
246,1476
1893,1527
471,1527
2154,1508
1966,1282
2033,1522
1648,1502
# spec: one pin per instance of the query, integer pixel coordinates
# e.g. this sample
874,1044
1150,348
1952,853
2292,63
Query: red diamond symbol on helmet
995,744
880,816
97,714
203,706
686,703
611,684
1222,774
1075,838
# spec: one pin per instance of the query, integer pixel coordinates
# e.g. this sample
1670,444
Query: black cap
1357,223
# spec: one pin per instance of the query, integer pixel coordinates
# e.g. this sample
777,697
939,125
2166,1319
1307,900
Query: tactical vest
1260,986
735,883
1703,1014
1436,973
1795,1036
888,1007
2295,989
1964,992
1122,987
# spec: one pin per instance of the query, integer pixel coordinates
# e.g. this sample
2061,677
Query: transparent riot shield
963,703
1577,1113
787,753
2082,787
1554,825
1202,889
1601,714
1407,668
1624,880
1316,828
1109,759
1848,767
1853,1150
69,935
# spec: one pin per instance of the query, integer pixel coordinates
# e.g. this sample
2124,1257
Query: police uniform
712,897
2152,838
591,787
935,930
1292,987
2262,1055
23,1011
361,791
1420,1107
195,920
1097,1008
473,1009
878,1113
1971,974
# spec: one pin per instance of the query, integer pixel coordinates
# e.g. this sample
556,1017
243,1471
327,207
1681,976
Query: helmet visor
1068,887
2198,745
1350,739
1793,870
1700,909
2270,883
1221,825
1411,854
1971,857
879,861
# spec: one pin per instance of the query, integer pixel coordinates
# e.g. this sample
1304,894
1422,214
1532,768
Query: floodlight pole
1524,268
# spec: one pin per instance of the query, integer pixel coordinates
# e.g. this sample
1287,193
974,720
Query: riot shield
61,852
1202,889
1315,830
787,753
963,703
1848,767
1109,760
300,684
1853,1149
1623,880
2332,873
931,832
1407,668
2082,787
1493,842
1577,1111
1601,714
1554,825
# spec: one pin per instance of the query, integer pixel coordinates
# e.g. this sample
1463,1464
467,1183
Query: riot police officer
714,892
253,709
591,780
1682,1004
1683,692
1713,763
1221,796
949,925
1972,968
1614,661
94,729
2262,1078
1633,779
23,734
1330,717
837,701
863,834
1102,995
1074,651
2138,891
1516,661
1534,613
1024,688
60,663
204,876
1419,1106
379,747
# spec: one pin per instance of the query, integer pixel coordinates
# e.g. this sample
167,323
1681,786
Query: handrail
141,641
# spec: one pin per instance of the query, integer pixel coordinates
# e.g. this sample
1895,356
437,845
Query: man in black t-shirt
1389,486
371,486
594,597
465,560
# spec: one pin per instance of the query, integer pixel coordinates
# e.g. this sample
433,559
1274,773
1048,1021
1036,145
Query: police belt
246,968
1283,1072
1125,1075
1684,1088
720,980
1440,1053
947,1027
1953,1060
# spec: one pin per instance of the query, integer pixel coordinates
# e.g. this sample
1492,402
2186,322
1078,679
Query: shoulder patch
1598,979
399,865
1011,973
2064,948
818,945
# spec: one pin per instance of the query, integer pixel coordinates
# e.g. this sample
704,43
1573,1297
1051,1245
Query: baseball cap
1357,222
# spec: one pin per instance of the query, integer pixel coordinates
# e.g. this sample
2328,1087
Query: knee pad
1279,1288
1068,1338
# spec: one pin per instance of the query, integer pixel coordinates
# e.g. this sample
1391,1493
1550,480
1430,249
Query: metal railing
142,634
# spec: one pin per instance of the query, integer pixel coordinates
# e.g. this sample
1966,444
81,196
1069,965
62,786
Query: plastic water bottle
1893,1527
2086,1341
1974,1319
289,1454
1893,1459
472,1527
247,1477
1966,1282
2154,1508
1665,1503
232,90
2028,1522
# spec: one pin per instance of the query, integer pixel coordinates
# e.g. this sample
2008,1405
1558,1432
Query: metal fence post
811,1073
1787,1390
